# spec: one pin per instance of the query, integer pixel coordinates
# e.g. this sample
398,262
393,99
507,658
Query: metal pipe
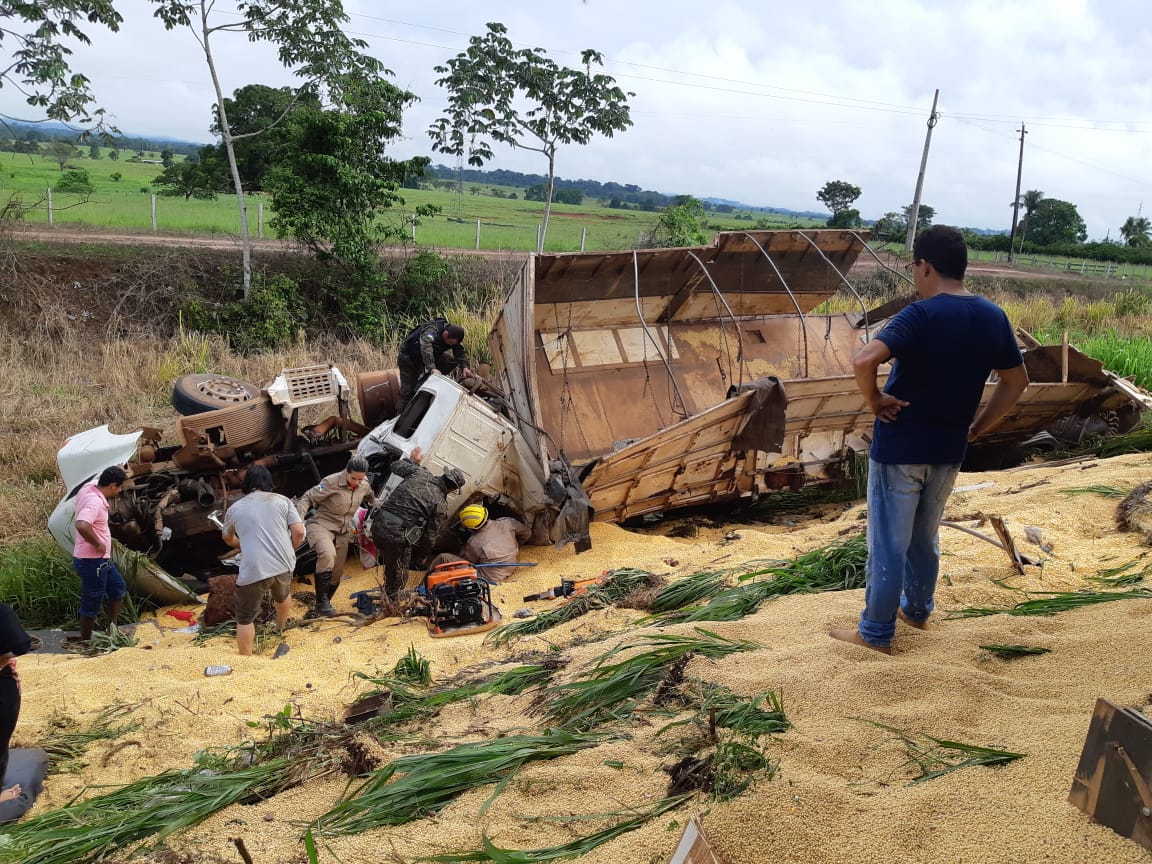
843,278
872,252
735,323
663,353
795,302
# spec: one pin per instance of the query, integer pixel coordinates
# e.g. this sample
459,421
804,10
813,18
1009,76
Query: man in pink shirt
92,554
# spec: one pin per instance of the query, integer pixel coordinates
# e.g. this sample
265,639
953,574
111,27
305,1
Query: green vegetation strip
607,693
574,849
1106,491
618,584
691,589
153,808
829,568
419,785
67,745
934,757
1052,602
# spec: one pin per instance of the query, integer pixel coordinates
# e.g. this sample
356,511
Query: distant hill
52,131
782,211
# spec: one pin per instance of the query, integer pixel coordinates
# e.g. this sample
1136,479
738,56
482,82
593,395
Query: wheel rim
223,390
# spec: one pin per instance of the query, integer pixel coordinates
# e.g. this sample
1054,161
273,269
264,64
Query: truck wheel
195,394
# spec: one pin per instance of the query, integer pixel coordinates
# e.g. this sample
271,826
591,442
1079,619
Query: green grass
67,744
1053,602
505,224
1011,652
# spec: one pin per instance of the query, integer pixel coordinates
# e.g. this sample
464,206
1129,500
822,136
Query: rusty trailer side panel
627,363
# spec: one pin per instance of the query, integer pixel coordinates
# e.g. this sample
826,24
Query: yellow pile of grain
841,792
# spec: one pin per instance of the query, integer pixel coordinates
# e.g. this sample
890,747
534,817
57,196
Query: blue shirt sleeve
901,332
1008,355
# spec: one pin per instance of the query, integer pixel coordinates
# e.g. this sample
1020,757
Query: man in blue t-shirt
942,348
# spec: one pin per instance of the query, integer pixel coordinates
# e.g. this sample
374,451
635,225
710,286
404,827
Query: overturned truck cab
699,375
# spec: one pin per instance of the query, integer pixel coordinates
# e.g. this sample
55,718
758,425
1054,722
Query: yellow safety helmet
474,517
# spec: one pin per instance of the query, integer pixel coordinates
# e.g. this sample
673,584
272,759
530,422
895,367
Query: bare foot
11,793
854,637
919,625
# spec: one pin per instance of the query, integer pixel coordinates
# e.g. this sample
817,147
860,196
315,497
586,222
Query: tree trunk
226,137
548,198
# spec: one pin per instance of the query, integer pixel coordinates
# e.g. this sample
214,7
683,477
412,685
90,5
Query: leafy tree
309,41
681,224
61,152
838,196
253,111
74,180
114,154
1135,231
332,182
892,226
1055,221
93,151
166,157
924,216
115,176
201,179
568,196
557,104
37,64
849,218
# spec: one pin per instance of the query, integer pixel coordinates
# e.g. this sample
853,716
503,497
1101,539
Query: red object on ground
181,614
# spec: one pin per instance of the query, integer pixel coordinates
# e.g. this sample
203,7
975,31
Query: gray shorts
250,597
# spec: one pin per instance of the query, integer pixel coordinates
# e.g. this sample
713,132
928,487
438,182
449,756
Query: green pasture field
505,223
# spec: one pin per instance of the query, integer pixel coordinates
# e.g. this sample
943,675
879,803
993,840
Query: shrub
74,180
115,176
268,319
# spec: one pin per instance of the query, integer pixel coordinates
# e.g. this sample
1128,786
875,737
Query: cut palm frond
735,767
112,639
933,757
1010,652
574,849
1122,576
412,668
617,584
419,785
150,809
1105,491
1053,602
829,568
67,745
763,714
609,692
691,589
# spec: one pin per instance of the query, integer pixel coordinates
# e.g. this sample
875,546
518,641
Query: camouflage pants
395,554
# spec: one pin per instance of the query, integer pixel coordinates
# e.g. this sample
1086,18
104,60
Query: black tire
195,394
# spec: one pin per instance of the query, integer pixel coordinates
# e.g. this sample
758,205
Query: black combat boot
323,607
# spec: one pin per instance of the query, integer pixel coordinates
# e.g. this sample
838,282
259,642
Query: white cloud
758,102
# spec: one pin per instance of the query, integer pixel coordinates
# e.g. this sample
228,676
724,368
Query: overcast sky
759,102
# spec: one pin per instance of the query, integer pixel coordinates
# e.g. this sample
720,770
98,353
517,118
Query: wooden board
694,846
1113,782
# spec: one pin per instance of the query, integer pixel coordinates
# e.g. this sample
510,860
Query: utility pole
1016,201
914,213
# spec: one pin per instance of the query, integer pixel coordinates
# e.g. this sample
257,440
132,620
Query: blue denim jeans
99,578
905,505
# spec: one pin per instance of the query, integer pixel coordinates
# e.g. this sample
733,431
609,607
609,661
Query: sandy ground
840,793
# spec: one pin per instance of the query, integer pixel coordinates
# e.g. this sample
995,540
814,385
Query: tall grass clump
609,692
829,568
37,580
423,784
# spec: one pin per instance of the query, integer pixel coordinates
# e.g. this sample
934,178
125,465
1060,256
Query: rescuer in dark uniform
435,346
411,516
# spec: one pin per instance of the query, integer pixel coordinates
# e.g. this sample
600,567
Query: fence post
413,228
583,237
477,233
153,213
539,233
50,222
260,221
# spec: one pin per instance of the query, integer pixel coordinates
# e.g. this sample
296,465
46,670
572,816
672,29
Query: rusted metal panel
625,360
